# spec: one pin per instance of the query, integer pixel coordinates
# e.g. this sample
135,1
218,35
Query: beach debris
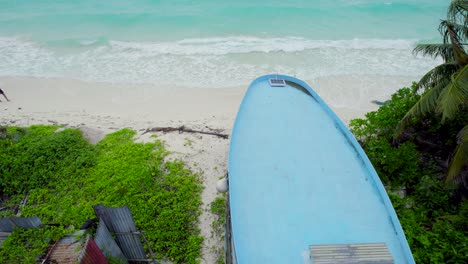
377,102
118,223
8,224
24,201
217,130
183,129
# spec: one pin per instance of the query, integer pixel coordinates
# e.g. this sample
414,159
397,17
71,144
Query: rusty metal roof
91,254
7,224
107,244
68,249
120,222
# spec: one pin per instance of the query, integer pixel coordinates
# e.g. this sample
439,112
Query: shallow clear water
214,43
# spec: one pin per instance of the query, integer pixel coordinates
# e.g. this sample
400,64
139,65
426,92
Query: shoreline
73,102
102,108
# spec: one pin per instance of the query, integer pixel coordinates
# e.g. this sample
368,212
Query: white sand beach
101,108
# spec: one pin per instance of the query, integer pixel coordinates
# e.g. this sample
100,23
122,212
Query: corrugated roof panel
120,222
7,224
106,243
131,246
3,236
67,249
91,254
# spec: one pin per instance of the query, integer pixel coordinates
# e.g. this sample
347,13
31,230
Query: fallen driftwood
182,129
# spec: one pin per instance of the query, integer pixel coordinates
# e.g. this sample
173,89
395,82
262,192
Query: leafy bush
41,157
396,165
382,123
218,207
28,245
65,176
430,211
435,236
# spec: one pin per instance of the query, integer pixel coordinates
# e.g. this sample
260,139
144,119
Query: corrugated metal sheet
120,222
365,253
107,244
91,254
7,224
67,249
3,236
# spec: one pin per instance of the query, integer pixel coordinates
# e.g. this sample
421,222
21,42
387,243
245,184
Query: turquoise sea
214,43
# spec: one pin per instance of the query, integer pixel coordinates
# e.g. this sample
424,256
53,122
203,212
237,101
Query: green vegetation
418,143
27,246
434,215
445,88
64,176
218,208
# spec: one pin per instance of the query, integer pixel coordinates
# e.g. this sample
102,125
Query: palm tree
445,88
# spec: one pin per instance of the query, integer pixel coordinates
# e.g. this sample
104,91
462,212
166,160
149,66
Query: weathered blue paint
298,177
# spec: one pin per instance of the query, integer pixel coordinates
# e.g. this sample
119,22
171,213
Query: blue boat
301,189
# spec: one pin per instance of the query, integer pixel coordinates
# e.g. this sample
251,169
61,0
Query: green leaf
435,50
460,158
426,104
437,75
458,11
454,95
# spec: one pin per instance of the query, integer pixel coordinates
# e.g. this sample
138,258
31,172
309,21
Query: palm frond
454,95
427,103
435,50
458,10
453,38
436,75
461,30
460,158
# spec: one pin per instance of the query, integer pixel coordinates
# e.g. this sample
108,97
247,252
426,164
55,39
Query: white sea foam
212,62
231,45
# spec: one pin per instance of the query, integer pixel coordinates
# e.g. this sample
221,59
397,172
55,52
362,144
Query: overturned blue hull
301,189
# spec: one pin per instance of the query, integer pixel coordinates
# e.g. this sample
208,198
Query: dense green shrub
65,176
431,213
437,235
41,157
28,245
382,123
396,165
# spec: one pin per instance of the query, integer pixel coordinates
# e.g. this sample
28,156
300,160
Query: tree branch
182,129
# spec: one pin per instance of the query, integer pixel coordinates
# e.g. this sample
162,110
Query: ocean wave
221,45
215,62
241,44
70,43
